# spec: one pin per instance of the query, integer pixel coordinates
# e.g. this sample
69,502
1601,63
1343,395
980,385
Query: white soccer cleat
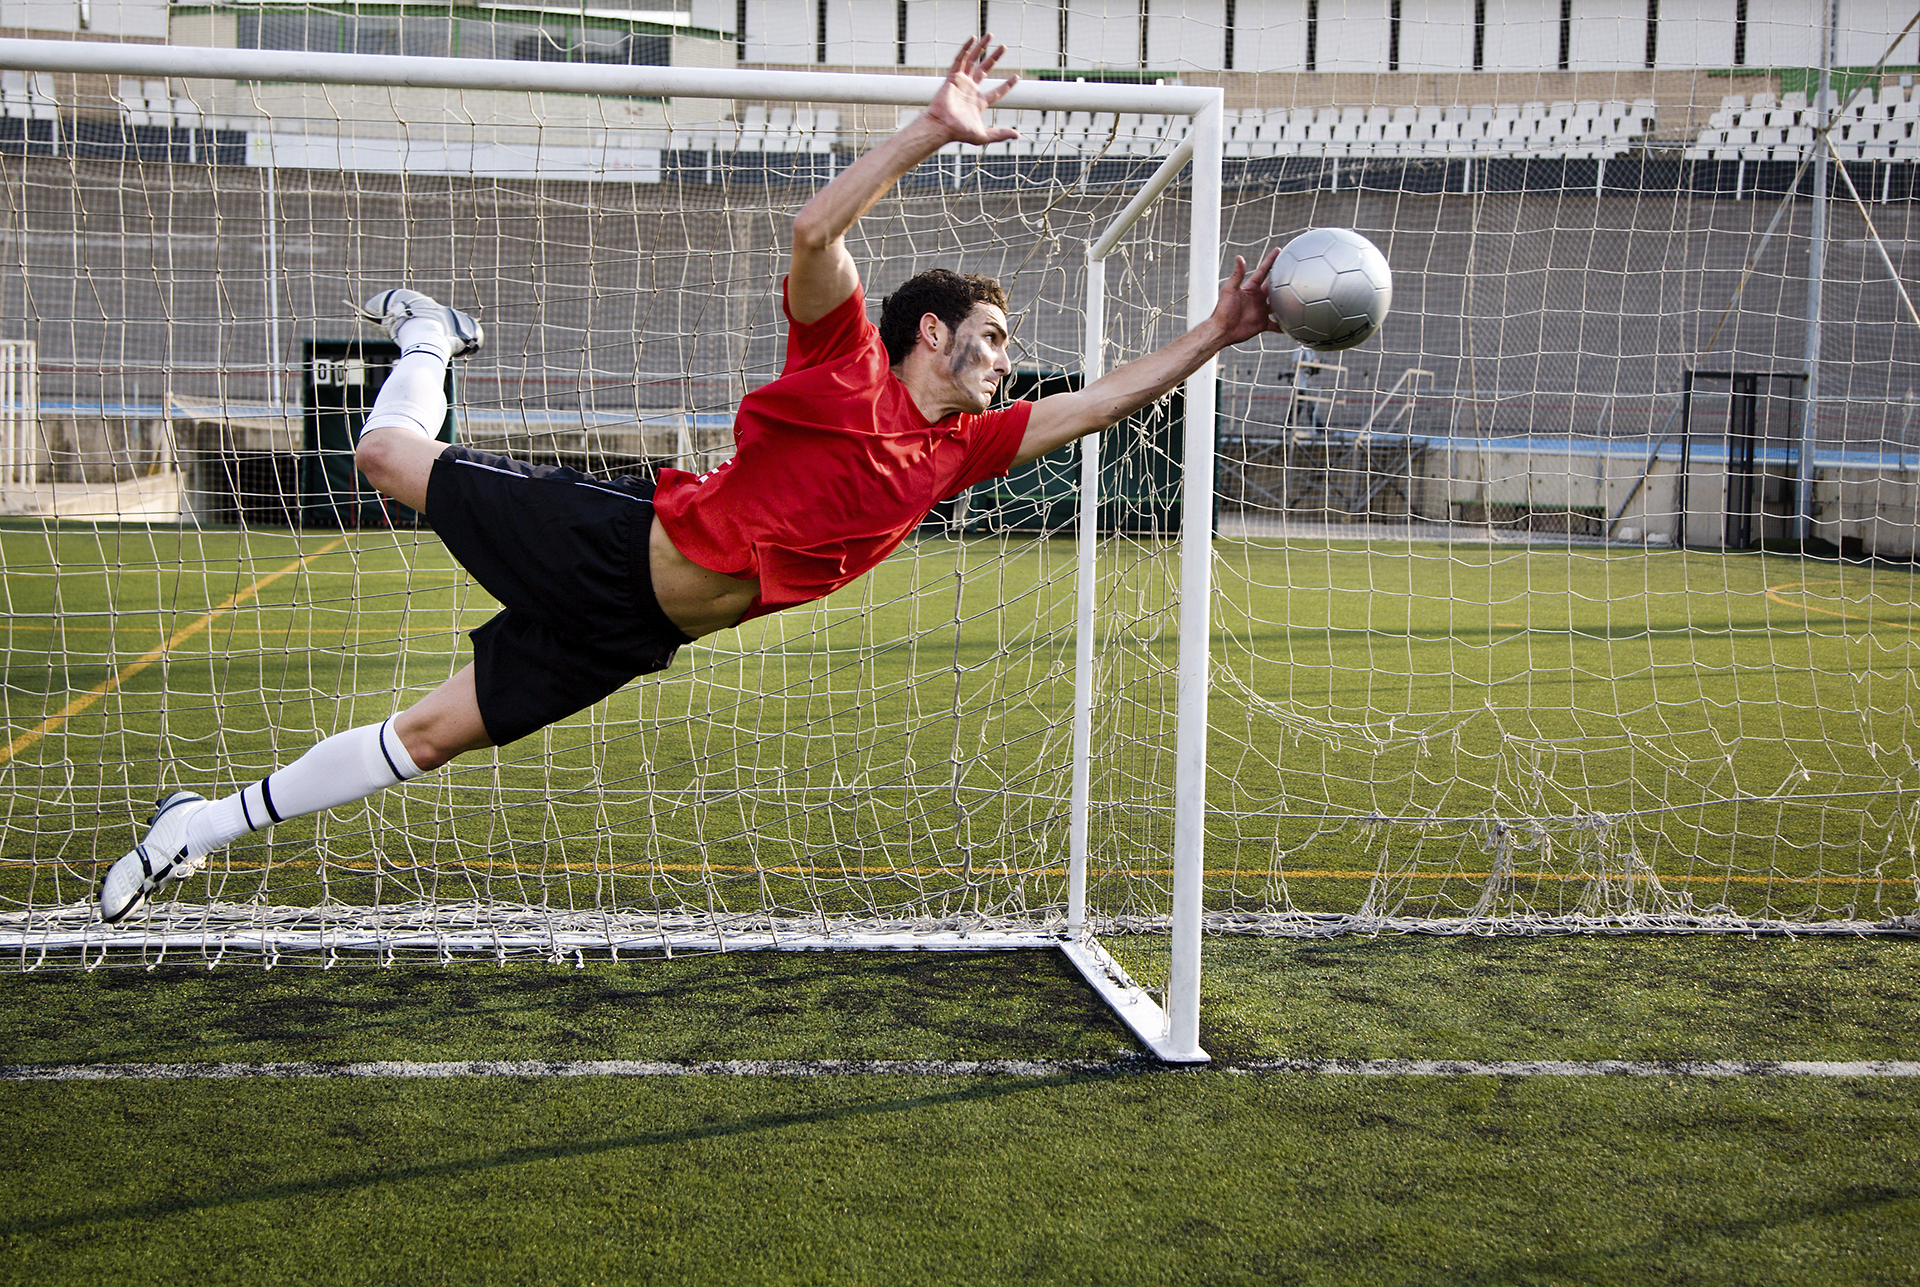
390,308
132,882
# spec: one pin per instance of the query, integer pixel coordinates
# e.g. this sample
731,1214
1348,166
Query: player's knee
398,462
381,453
373,455
439,730
428,751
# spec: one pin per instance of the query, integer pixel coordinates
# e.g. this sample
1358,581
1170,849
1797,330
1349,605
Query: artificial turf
1395,729
1413,729
1124,1175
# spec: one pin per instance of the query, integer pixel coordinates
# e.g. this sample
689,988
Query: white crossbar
193,61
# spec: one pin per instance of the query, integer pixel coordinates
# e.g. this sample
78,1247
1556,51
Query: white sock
414,396
346,767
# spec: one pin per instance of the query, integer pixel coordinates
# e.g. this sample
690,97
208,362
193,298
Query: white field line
955,1068
1589,1067
571,1068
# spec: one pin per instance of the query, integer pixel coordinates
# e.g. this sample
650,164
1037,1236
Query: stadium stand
27,99
1590,130
1868,126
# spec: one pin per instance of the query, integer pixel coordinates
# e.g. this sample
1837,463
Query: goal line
543,1069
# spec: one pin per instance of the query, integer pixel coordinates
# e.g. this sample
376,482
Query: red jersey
833,467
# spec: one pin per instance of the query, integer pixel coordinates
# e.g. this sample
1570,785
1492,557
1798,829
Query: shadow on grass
1689,1240
741,1005
350,1181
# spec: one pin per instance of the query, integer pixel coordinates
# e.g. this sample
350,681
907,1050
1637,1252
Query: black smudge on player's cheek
965,354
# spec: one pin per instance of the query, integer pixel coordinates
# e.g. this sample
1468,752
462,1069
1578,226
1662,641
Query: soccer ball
1330,289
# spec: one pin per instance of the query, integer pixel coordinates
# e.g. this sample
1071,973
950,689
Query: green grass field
1123,1176
1412,730
1417,730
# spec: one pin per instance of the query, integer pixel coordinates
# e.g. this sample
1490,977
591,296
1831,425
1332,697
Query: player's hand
960,105
1242,311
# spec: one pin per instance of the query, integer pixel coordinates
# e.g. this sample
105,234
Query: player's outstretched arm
1238,315
822,273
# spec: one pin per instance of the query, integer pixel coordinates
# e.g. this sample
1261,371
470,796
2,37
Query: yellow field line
355,632
152,655
1774,592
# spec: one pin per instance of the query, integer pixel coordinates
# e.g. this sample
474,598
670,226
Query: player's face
976,356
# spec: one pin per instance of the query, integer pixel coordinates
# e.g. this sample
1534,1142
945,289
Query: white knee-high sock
346,767
414,396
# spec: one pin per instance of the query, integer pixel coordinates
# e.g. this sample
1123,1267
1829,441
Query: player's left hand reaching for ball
1242,311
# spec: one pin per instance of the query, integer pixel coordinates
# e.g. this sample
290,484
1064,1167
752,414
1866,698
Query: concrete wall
1877,507
92,449
1588,490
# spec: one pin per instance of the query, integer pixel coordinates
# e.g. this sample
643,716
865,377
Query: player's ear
933,331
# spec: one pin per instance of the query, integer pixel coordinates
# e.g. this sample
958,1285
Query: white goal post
1194,154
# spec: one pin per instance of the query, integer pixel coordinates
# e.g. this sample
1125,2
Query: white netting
1463,678
897,757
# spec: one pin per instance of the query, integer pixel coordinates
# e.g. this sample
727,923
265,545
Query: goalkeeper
836,462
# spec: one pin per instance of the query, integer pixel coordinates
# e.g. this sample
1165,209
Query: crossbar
614,80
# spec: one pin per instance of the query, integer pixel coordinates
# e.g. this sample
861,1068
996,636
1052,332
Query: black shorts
566,556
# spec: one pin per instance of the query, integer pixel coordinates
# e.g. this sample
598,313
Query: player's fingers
961,59
999,91
990,53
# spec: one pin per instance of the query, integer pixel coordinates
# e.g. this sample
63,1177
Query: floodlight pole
1816,273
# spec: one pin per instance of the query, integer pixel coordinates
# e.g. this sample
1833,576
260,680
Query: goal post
496,914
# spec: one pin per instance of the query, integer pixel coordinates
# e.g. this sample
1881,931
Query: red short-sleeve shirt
833,467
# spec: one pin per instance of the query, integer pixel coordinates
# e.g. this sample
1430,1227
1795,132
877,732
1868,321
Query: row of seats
1591,129
768,129
1565,129
1889,101
27,98
1868,125
151,102
802,129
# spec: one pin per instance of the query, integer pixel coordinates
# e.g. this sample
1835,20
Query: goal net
1507,621
199,588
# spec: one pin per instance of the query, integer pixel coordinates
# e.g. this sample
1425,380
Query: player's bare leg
443,724
397,453
397,446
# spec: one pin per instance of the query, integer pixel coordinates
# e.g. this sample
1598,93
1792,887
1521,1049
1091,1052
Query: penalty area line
797,1068
146,659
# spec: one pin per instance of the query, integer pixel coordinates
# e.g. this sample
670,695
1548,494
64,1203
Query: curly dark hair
948,295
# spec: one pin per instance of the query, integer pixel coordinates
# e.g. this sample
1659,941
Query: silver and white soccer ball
1330,289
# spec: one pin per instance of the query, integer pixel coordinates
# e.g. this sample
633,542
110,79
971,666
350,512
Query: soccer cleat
161,857
390,308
